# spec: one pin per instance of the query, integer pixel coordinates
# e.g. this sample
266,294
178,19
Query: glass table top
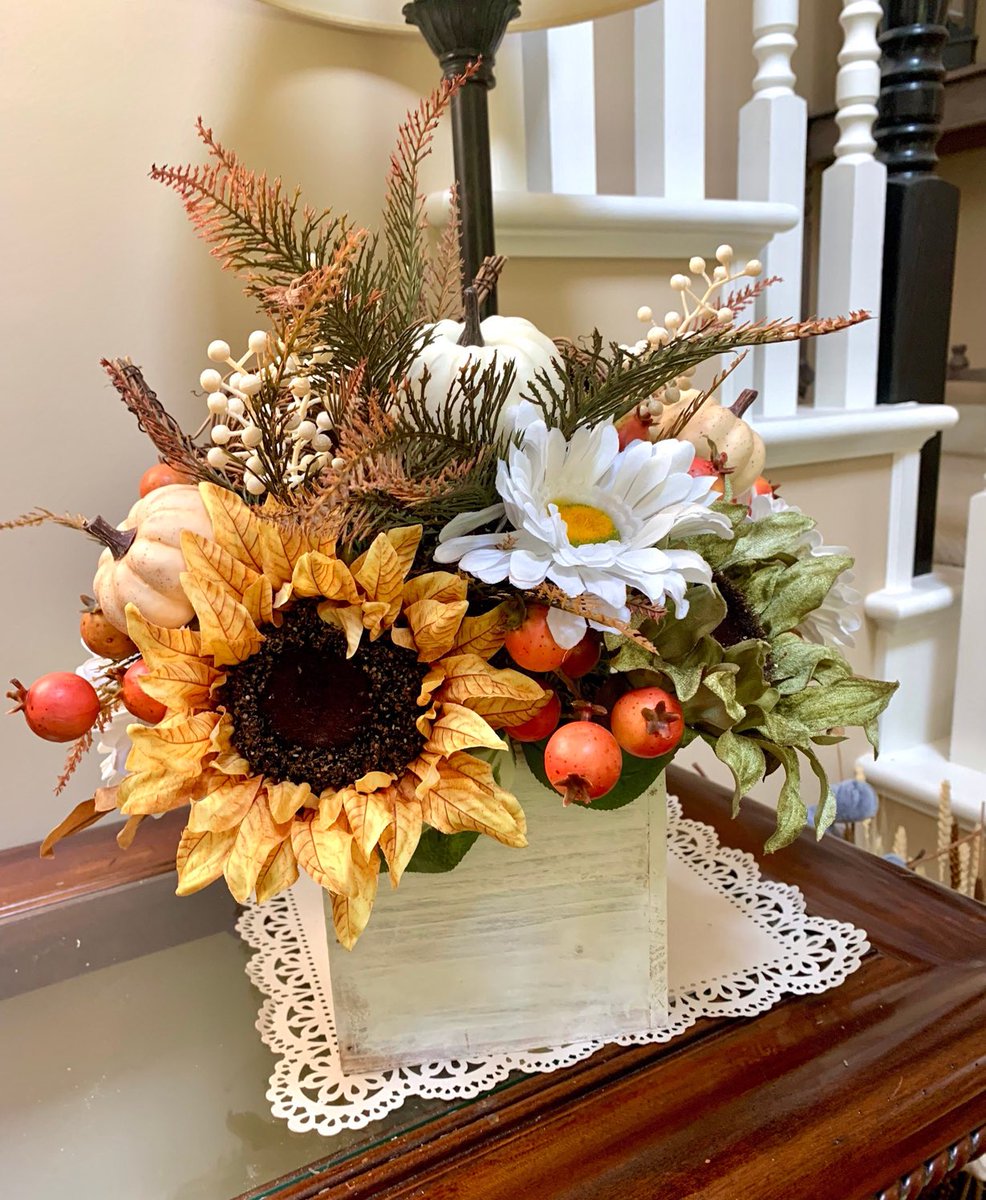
147,1078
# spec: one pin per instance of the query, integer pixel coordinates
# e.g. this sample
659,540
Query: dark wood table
877,1088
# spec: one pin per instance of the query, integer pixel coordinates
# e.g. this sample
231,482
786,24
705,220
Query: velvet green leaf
791,810
800,590
745,760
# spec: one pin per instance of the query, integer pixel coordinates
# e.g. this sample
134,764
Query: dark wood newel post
921,225
460,32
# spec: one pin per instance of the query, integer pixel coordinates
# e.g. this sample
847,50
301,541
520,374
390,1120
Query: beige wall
99,261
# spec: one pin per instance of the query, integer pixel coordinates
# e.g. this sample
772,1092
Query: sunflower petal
257,837
436,585
325,854
317,575
228,759
459,728
278,873
176,745
225,806
329,808
258,600
381,573
435,624
349,620
405,541
208,560
158,645
484,634
503,696
125,838
280,549
400,839
201,858
350,915
145,793
228,634
368,815
372,781
285,798
376,614
467,797
234,524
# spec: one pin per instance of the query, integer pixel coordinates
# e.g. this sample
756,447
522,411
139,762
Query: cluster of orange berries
583,759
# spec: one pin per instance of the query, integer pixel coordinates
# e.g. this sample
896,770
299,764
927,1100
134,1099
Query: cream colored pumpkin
721,428
504,339
147,573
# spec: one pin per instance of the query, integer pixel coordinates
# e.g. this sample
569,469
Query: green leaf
674,637
781,533
791,811
440,852
797,662
852,701
825,810
636,776
800,589
745,760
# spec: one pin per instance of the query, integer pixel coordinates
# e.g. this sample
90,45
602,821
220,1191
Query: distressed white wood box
563,941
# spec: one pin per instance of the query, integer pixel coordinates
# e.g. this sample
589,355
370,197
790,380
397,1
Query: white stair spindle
508,135
853,201
537,127
572,109
968,743
772,136
669,112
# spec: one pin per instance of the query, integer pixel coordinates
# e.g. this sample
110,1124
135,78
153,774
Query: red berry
583,657
136,700
633,429
531,645
102,638
762,486
160,475
583,761
59,707
705,466
647,722
541,724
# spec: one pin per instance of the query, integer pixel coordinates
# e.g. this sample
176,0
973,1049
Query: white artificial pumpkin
717,430
147,572
505,340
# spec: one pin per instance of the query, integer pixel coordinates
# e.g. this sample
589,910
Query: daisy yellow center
586,525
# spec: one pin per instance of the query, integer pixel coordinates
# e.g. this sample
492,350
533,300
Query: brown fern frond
443,283
693,406
43,516
174,446
743,297
298,308
585,606
404,223
77,752
252,224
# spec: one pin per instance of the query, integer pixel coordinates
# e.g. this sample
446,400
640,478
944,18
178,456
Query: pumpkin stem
118,540
472,334
743,401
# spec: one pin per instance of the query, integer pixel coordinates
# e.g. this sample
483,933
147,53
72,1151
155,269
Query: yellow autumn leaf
324,854
350,915
225,805
159,646
228,634
125,838
179,696
176,745
81,817
107,799
373,780
234,525
201,858
258,600
368,815
405,541
285,798
467,797
316,575
432,680
436,585
145,793
484,634
208,560
278,873
400,839
376,615
328,808
380,573
503,696
459,728
257,837
227,759
434,624
347,619
280,549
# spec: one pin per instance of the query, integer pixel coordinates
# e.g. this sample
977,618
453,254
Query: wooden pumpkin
142,561
722,431
456,345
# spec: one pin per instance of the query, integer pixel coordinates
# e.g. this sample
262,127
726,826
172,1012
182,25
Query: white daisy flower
837,620
588,517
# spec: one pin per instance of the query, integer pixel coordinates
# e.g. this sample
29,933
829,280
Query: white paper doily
737,944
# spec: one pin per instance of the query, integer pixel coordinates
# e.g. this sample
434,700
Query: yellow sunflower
321,711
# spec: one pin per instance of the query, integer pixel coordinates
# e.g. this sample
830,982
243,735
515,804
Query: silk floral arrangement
406,542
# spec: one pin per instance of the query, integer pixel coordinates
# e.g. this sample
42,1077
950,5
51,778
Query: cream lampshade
384,16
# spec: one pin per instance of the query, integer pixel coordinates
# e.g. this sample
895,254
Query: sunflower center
586,525
303,712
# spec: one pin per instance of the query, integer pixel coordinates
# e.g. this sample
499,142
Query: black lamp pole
460,32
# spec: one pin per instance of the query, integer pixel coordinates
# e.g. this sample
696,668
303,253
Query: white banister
968,747
537,128
508,118
572,108
853,201
669,109
772,137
